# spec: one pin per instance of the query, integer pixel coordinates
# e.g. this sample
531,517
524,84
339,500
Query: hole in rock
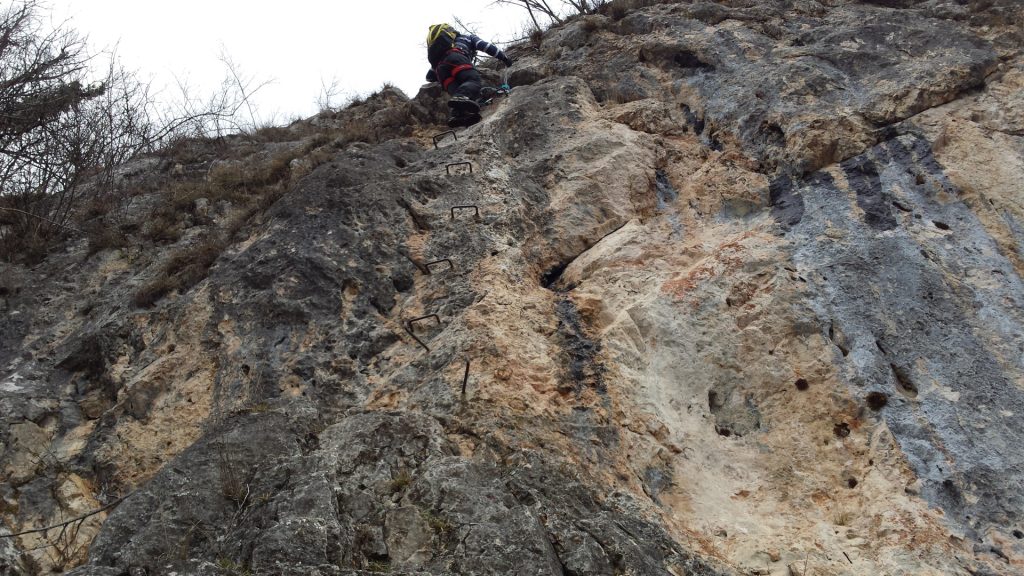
551,276
919,179
841,430
1018,534
802,384
773,135
903,381
877,400
852,483
900,207
949,485
723,431
839,344
687,59
940,225
713,402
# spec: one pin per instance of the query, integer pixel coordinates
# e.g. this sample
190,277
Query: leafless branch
328,94
462,26
31,215
65,523
61,129
246,87
554,14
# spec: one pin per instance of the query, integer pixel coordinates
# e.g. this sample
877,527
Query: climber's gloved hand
507,61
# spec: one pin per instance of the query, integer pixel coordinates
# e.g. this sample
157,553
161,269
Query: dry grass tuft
537,37
591,24
105,237
618,9
186,268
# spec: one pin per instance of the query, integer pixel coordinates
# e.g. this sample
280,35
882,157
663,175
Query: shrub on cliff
64,130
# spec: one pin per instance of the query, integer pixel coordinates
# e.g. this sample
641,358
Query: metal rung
438,137
473,207
451,266
448,167
418,341
409,328
465,379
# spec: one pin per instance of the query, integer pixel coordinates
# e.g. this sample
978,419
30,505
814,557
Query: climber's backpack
440,40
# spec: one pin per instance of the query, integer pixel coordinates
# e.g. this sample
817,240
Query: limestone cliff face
733,288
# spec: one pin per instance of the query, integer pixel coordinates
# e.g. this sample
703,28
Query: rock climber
451,56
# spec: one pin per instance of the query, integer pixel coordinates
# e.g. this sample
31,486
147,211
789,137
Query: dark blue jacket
468,45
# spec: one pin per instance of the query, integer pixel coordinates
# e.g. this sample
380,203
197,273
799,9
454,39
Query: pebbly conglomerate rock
732,288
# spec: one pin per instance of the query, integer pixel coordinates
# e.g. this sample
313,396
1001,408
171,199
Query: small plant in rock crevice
400,482
441,526
229,567
185,269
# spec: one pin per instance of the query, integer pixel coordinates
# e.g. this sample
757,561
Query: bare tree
462,26
245,86
535,8
42,84
59,130
554,13
329,96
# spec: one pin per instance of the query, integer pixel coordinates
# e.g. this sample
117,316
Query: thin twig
64,524
54,222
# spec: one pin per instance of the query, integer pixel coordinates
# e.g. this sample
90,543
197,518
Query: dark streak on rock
693,120
580,353
862,175
787,205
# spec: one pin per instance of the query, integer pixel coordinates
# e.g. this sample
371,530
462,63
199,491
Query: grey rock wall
732,288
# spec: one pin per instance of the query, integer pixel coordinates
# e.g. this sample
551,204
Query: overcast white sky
296,43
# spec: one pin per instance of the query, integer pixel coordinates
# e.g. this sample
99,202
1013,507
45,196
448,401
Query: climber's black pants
466,82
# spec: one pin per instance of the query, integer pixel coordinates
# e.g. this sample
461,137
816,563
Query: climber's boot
460,120
463,106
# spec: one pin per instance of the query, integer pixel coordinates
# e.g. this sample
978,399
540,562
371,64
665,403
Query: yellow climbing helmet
437,30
